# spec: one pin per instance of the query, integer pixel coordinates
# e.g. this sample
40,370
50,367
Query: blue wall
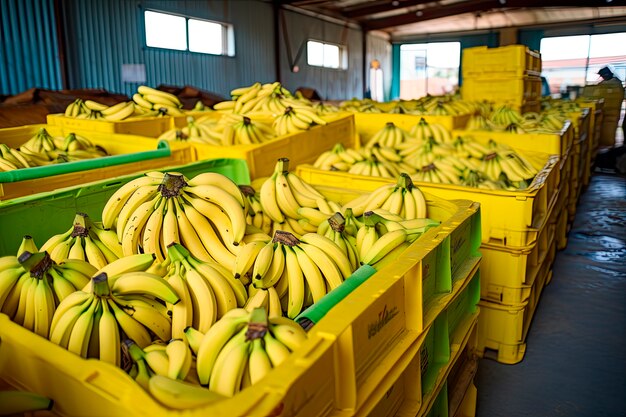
28,46
104,34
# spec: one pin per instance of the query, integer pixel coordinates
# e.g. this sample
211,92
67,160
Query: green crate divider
464,305
46,214
440,405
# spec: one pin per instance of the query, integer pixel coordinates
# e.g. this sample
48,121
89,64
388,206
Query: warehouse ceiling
402,18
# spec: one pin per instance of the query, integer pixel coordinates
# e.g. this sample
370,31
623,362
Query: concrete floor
575,362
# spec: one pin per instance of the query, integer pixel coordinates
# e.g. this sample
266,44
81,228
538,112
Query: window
575,60
181,33
326,55
429,68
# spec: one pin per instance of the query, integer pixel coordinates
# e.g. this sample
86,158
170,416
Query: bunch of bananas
255,215
207,291
152,102
296,267
296,119
231,129
89,109
32,286
334,228
325,108
207,214
402,198
292,204
509,164
122,299
262,100
505,116
22,402
242,347
11,159
338,158
44,149
441,171
478,122
85,240
172,360
200,106
389,136
424,130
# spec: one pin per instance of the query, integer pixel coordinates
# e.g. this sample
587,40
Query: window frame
343,55
228,34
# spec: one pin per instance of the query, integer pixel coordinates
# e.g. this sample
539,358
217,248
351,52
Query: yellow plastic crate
509,218
504,61
94,388
367,124
181,121
502,329
65,175
142,126
508,275
555,144
300,148
513,91
461,396
379,330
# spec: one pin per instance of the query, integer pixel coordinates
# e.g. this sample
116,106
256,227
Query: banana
246,257
331,249
123,113
134,227
194,338
127,264
22,402
117,201
269,200
109,341
148,316
383,246
292,336
145,90
180,395
296,285
230,365
276,351
27,245
78,342
179,359
332,273
285,197
312,274
144,283
259,362
214,341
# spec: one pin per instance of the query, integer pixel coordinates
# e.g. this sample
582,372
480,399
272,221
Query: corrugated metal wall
28,46
104,34
380,49
331,84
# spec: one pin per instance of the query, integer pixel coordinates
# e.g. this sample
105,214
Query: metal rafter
380,7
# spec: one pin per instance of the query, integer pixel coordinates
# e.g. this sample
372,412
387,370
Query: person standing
611,90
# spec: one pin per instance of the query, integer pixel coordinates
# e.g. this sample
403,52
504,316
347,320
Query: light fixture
395,3
502,1
419,13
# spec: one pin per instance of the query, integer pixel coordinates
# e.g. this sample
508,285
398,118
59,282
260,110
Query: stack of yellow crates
507,75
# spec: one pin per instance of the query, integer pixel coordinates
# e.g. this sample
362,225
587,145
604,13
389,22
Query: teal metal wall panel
102,35
331,84
28,46
530,38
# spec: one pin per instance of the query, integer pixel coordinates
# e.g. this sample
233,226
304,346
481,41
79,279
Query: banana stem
37,263
247,190
257,327
337,222
176,252
100,285
80,225
172,184
285,238
282,166
135,352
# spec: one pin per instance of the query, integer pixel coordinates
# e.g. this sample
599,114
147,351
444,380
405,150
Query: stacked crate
507,75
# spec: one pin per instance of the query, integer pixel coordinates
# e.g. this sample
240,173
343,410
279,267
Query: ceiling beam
387,5
473,6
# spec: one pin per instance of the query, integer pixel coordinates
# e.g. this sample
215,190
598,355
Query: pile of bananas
44,149
152,102
272,101
325,108
231,129
89,109
429,154
193,295
33,285
428,105
84,240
